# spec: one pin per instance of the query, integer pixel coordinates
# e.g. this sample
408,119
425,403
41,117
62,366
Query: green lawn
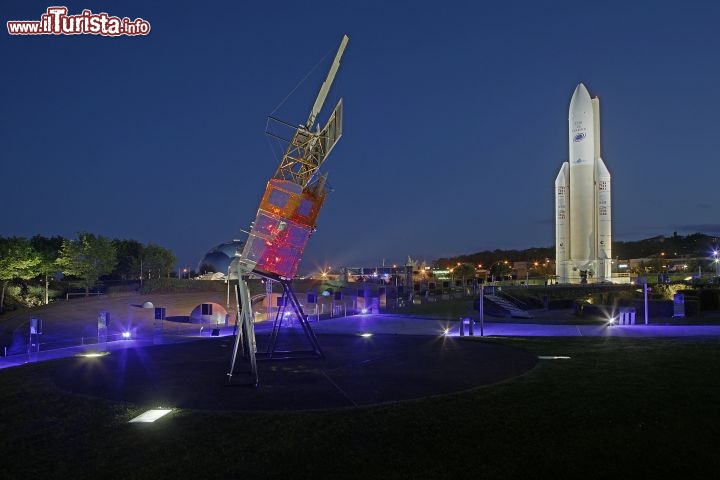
619,408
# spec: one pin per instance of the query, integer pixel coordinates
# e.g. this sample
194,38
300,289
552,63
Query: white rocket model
583,237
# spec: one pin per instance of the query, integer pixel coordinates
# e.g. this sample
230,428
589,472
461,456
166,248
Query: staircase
508,306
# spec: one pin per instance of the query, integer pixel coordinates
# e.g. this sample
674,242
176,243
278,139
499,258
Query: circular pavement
356,371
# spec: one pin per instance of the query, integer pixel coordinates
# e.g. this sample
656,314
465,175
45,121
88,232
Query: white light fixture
150,416
552,357
92,354
366,335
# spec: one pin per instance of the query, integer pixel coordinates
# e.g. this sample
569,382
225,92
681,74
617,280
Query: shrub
28,295
668,291
710,299
559,304
122,288
176,285
692,307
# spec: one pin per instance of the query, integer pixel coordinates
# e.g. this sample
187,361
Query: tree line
83,260
696,245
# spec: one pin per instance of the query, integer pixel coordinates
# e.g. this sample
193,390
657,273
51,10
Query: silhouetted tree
129,253
18,260
48,250
158,261
88,258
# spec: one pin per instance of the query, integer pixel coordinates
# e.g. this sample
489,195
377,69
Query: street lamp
324,272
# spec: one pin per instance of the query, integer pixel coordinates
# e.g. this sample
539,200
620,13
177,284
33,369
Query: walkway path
402,325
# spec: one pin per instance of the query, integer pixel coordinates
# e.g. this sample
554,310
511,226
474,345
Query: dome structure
218,258
209,313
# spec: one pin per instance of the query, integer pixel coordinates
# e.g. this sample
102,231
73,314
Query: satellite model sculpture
285,220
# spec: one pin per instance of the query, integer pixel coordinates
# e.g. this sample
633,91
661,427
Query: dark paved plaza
356,371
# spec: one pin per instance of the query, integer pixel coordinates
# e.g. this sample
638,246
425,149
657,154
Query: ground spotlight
126,334
611,321
446,331
366,335
151,415
92,354
364,311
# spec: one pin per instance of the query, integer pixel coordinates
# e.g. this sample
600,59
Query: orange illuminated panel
284,221
309,208
281,198
287,200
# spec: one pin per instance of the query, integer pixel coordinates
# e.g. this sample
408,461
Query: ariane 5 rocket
583,225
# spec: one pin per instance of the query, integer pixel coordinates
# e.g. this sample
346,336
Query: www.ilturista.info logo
57,22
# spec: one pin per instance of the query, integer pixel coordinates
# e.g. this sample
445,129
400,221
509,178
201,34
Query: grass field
626,408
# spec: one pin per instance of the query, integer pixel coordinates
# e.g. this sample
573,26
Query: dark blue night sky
455,121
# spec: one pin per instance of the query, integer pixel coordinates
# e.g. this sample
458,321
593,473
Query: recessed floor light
92,354
150,416
552,357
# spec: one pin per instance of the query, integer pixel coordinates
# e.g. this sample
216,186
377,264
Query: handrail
67,295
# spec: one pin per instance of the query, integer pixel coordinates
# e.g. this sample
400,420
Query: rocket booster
582,160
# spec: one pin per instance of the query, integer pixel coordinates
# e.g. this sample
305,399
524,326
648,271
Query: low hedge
177,285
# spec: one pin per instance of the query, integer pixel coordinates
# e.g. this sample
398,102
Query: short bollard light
470,326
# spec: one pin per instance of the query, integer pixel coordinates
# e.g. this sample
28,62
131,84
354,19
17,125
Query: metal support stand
268,298
245,342
289,299
245,338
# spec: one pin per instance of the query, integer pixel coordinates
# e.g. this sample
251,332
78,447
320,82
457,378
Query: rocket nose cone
581,89
580,94
580,102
